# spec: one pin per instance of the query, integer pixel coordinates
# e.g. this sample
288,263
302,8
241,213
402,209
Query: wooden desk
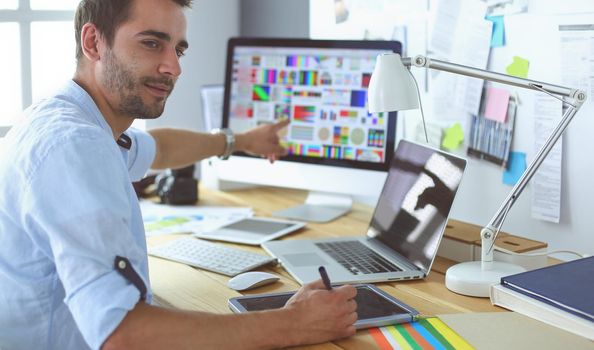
180,286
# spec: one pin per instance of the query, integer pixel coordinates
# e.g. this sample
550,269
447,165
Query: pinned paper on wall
453,137
515,168
434,133
497,102
518,68
498,36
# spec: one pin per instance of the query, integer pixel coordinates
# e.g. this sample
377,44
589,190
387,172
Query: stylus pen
325,278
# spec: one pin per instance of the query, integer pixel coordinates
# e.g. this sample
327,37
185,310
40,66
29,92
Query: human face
141,68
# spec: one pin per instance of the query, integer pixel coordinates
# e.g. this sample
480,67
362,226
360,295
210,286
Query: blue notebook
568,286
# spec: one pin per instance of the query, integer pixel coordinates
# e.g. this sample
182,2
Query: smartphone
375,308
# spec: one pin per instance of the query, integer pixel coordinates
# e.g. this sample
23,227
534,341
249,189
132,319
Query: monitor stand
319,207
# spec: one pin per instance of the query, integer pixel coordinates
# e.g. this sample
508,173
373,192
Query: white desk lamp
392,88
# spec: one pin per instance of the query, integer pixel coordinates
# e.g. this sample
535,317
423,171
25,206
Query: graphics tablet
252,230
375,308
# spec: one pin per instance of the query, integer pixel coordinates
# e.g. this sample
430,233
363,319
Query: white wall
536,38
483,190
210,24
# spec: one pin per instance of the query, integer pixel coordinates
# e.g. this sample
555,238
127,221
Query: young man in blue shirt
68,210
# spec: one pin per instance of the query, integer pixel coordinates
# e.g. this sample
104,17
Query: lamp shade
391,87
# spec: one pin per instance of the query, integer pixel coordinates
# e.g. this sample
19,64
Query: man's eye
150,44
180,53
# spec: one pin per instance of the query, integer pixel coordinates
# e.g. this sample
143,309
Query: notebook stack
561,295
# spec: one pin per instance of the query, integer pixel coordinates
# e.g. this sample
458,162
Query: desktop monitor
336,149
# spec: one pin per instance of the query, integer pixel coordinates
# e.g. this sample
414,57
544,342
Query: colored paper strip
442,340
409,339
379,339
427,336
453,338
392,341
419,338
430,333
398,338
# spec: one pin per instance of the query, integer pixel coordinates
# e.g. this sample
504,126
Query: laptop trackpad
305,259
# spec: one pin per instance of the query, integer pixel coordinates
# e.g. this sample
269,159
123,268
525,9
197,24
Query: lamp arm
489,233
426,62
576,100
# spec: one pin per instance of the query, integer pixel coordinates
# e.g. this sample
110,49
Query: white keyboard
210,256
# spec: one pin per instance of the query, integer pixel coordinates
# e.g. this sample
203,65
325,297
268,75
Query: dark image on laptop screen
416,201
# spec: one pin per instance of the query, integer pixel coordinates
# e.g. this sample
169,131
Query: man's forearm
178,148
152,327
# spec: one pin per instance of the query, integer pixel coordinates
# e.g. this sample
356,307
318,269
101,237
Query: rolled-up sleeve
141,154
82,223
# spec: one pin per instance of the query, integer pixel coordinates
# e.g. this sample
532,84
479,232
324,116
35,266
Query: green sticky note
518,68
453,137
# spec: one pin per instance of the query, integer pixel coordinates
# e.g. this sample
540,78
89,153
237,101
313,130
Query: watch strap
229,141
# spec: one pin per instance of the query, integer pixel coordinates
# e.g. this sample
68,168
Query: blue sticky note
516,165
498,35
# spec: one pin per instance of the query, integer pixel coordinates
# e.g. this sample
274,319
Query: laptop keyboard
357,257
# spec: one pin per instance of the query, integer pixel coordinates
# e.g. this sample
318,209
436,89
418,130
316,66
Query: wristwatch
229,139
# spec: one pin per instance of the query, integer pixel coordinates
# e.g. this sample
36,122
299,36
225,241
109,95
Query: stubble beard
120,79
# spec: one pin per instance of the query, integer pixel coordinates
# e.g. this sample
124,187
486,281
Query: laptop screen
413,208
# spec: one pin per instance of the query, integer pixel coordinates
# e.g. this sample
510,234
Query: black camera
177,186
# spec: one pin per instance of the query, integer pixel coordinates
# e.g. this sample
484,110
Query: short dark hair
107,15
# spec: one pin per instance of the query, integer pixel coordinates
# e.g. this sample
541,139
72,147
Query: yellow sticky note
453,137
518,68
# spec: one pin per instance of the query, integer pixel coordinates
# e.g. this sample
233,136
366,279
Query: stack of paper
162,219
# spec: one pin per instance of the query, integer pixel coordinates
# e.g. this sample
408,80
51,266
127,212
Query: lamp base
469,278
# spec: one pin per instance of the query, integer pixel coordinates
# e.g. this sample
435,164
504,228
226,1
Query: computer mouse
251,279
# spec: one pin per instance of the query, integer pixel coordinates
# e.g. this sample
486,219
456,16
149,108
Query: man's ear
91,40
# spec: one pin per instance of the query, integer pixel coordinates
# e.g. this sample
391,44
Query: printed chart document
212,106
546,183
460,35
160,219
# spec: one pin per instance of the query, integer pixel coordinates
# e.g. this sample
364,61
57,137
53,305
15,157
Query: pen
325,278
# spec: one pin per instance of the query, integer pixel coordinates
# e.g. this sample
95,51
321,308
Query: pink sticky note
497,101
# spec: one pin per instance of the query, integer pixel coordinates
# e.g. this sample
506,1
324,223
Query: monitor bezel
394,46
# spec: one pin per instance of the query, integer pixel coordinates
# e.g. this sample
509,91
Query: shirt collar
85,101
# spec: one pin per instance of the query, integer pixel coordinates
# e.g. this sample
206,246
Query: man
68,212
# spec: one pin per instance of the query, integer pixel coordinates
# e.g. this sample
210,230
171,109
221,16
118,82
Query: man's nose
170,64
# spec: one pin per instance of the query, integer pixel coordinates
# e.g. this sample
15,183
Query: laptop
405,229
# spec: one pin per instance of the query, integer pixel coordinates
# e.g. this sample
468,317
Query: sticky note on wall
496,104
518,68
453,137
498,35
516,165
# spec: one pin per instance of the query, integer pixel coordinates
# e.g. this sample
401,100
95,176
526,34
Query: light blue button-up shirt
67,209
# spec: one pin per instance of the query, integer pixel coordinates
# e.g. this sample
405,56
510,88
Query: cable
420,105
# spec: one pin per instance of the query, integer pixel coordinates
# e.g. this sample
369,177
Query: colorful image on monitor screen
323,91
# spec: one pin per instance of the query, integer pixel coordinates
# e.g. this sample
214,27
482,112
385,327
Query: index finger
281,124
349,291
317,284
